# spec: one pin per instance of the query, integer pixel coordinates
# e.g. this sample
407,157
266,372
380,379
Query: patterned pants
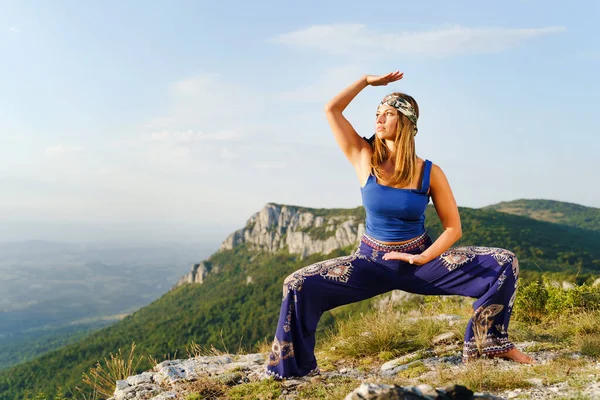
487,274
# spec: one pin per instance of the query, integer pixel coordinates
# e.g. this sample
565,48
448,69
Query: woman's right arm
351,143
345,135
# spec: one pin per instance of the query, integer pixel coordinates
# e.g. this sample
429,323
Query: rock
513,393
371,391
121,385
143,391
567,285
230,378
593,391
428,390
484,396
458,392
451,319
233,370
444,338
596,283
447,317
249,280
290,383
165,396
394,371
145,377
535,381
445,349
172,371
275,227
196,274
396,297
227,369
401,360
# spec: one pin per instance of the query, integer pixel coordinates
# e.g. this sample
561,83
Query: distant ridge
558,212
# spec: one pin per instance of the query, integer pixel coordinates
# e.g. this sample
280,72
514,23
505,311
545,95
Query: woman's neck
391,146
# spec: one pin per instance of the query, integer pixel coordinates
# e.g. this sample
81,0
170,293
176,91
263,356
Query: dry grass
495,377
482,376
194,350
387,334
336,388
264,347
203,388
589,345
573,331
102,378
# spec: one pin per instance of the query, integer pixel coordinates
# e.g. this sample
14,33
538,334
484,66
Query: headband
403,106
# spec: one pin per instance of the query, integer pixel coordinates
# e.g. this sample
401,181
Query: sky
179,120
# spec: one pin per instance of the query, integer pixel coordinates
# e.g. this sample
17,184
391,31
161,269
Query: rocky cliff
276,227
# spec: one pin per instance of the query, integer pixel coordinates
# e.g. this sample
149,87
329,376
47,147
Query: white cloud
62,149
14,30
209,102
208,120
352,38
327,86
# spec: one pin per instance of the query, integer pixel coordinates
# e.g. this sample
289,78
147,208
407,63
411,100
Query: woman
395,252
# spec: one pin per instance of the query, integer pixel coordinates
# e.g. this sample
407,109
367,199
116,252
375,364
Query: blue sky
190,116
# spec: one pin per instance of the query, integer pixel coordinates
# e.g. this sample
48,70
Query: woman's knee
510,261
515,266
300,283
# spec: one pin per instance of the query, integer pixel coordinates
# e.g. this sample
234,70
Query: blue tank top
395,215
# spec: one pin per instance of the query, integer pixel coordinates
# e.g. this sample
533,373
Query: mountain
237,303
557,212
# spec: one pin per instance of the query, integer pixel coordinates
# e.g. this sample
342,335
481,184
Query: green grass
263,390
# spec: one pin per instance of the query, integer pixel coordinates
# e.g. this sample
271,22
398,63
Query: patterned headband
403,106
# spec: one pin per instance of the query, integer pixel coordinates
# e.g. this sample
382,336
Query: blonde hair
405,156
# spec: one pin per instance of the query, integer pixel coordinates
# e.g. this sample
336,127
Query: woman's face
386,122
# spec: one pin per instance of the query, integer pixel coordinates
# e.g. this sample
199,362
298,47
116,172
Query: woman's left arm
447,210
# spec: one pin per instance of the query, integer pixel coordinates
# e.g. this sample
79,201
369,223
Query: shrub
539,300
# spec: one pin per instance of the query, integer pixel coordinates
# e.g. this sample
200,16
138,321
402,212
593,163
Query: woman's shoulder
432,165
437,175
435,168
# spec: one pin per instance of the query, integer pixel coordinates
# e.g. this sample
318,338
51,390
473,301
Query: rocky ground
178,379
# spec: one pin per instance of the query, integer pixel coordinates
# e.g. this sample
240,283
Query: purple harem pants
487,274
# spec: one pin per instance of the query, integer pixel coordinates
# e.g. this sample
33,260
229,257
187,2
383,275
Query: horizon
186,234
155,120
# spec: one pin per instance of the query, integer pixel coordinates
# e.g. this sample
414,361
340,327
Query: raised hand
383,80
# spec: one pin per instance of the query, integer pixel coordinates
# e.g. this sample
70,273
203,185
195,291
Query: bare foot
515,355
